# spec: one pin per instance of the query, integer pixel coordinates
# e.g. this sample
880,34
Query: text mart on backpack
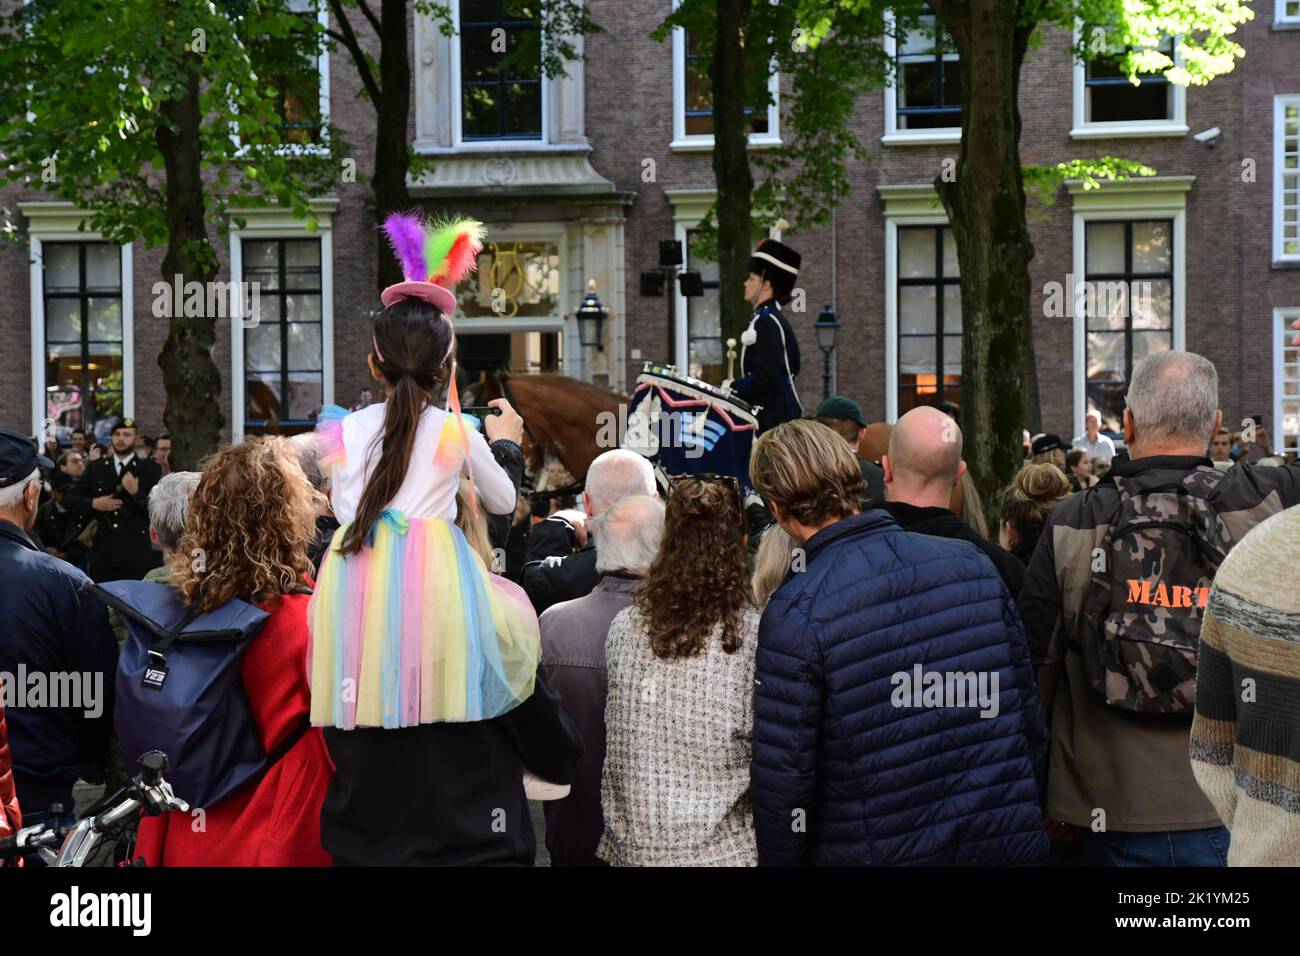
1147,596
179,690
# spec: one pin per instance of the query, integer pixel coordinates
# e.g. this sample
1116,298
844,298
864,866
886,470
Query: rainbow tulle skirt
414,630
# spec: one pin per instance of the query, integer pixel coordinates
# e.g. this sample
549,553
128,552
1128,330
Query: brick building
580,178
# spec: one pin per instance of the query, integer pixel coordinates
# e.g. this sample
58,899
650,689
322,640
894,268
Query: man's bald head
924,454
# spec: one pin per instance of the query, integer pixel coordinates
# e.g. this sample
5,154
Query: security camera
1208,135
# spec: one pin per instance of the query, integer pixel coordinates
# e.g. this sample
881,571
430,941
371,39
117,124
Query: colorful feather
450,248
406,234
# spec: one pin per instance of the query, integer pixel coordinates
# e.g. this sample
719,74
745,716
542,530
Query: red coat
277,822
11,818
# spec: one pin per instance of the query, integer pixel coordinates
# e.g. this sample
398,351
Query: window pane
952,354
525,275
918,85
1104,244
261,260
477,59
263,396
103,267
304,346
1152,304
916,355
951,308
1106,356
105,317
524,109
302,307
302,263
63,320
304,395
920,40
262,348
62,270
1152,246
1106,303
950,264
952,82
916,253
1124,102
480,113
916,309
1146,343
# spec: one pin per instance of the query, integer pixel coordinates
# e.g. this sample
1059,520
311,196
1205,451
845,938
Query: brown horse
567,418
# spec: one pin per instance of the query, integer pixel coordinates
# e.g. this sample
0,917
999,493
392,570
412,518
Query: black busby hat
778,264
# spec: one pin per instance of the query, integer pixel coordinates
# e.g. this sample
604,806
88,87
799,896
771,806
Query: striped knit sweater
1246,735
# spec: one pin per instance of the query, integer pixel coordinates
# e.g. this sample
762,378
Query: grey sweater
675,786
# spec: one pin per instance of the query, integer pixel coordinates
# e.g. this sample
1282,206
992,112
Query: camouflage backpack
1142,615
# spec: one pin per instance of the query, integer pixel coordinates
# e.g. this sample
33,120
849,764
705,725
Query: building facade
580,178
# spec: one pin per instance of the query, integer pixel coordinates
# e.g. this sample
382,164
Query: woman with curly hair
251,521
675,786
1025,504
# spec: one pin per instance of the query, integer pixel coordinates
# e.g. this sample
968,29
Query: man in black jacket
553,570
57,653
115,491
923,464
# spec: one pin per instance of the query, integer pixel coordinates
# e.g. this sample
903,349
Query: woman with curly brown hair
251,520
675,785
1025,504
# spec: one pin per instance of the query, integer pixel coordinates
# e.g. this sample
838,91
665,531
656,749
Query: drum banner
686,426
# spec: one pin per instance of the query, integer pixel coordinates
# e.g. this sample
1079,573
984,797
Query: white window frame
1282,20
1157,197
905,205
1280,103
907,137
58,222
1282,332
274,223
457,101
684,143
1083,128
558,321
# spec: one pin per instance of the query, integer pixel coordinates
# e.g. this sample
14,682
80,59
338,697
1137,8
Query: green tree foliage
158,117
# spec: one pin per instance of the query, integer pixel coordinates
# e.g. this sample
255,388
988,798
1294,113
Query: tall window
1128,305
500,70
83,335
928,78
1109,97
698,113
1286,384
1286,178
706,358
283,358
929,317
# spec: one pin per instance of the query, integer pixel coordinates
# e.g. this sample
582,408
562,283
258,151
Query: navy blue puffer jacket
845,770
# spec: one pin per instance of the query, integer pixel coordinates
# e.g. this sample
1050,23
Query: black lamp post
826,327
660,282
591,315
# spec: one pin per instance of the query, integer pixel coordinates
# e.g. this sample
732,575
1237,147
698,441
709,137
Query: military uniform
768,367
121,548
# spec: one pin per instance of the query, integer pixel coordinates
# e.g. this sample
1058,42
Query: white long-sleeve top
427,491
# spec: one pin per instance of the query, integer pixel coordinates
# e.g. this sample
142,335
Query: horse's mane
550,380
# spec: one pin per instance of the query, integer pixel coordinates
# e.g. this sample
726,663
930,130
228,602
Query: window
1286,383
501,98
705,356
302,95
1287,13
1127,304
929,317
84,338
283,341
1107,104
513,279
693,98
923,103
1286,178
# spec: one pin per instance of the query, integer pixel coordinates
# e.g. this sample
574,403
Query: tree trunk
392,113
985,201
191,379
731,164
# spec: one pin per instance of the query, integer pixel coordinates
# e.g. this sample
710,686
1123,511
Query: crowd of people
860,672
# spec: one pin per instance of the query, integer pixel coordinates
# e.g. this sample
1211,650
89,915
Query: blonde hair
772,562
252,517
809,471
972,506
1034,492
473,524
